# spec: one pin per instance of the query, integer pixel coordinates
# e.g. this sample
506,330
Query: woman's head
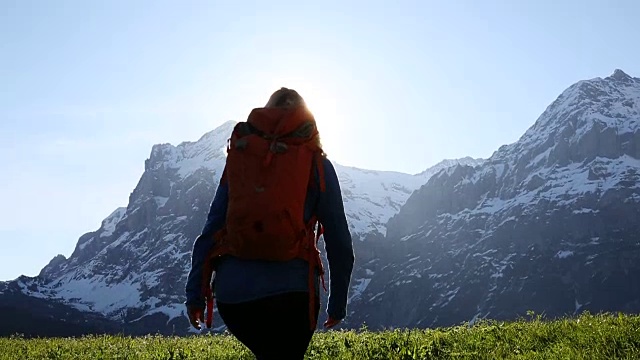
285,98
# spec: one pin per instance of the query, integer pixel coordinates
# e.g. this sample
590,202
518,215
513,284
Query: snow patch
359,287
585,211
172,311
95,294
376,296
109,224
369,272
563,254
161,201
26,289
450,295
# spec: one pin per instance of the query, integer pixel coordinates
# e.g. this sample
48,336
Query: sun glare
323,107
322,104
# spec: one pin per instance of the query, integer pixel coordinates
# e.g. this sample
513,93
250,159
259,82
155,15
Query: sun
323,106
321,100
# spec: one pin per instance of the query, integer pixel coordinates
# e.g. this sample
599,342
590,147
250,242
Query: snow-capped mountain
133,269
549,223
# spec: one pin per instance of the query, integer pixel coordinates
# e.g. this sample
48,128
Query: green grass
603,336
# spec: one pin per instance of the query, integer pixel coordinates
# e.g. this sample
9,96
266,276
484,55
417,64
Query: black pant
275,327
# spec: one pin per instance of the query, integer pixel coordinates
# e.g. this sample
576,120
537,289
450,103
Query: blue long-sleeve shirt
240,280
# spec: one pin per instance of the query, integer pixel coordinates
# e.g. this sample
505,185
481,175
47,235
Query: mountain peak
223,129
53,265
448,163
189,156
620,75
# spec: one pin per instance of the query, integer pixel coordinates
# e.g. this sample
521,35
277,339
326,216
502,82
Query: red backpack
271,162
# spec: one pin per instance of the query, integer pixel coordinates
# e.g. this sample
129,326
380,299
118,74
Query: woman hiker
277,194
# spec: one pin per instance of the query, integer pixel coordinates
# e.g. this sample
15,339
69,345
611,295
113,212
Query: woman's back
260,233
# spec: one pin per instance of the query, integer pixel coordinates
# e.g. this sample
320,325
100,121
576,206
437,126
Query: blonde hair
285,98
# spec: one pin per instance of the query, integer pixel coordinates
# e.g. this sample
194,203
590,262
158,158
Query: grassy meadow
602,336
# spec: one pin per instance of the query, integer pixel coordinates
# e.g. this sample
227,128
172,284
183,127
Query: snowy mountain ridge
135,265
550,216
371,198
548,223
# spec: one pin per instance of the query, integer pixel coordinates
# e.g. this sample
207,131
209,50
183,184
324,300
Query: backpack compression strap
315,263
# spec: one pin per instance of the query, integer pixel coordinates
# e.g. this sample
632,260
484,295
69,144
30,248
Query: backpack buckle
278,147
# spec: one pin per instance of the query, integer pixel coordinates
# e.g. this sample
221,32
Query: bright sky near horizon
87,87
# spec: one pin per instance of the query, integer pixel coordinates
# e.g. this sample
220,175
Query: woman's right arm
204,243
338,243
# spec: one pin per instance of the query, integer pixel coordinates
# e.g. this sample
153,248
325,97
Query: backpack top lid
280,122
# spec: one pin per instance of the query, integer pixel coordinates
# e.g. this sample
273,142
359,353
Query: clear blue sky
87,87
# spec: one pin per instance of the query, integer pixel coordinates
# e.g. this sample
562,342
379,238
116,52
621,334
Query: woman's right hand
196,316
331,322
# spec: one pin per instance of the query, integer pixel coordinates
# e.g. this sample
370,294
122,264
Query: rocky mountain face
38,316
547,224
132,271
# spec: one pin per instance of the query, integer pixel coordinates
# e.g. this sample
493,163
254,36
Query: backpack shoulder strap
319,159
243,129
